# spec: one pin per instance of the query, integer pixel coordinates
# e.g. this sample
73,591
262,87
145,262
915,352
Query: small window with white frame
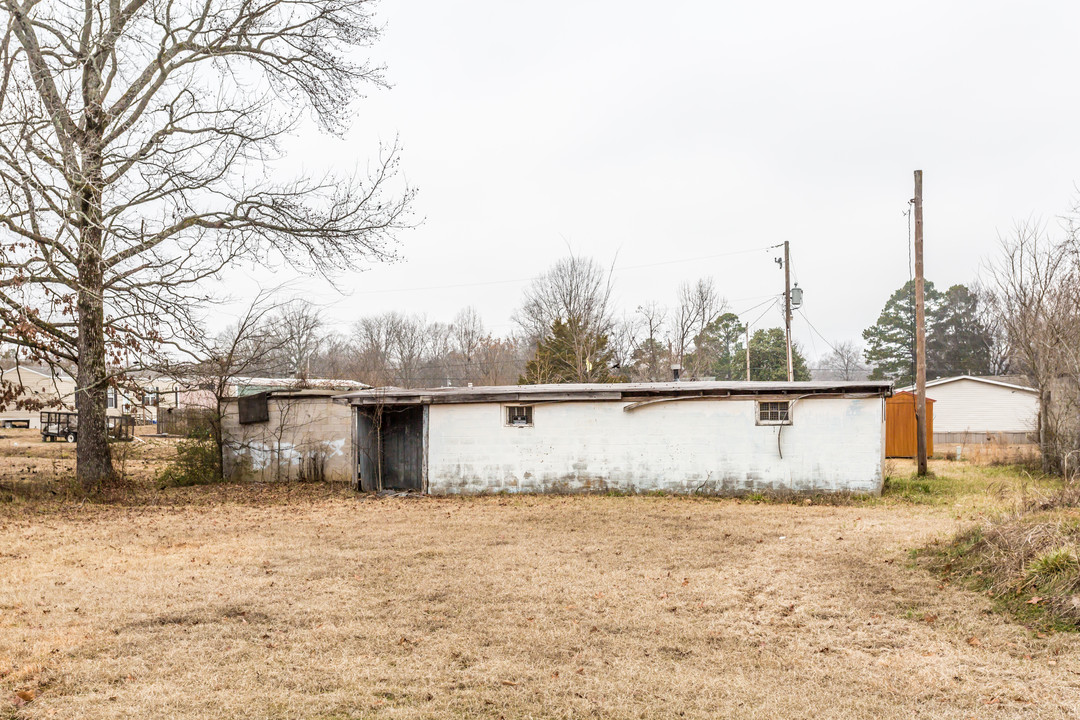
519,415
773,412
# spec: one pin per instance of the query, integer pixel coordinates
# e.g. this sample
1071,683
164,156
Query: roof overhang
625,392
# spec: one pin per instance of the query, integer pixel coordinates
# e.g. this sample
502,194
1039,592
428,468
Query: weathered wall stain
709,446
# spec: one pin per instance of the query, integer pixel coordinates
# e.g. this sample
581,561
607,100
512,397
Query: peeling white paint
710,446
262,455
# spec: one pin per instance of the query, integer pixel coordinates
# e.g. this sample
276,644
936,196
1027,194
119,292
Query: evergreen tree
958,343
768,357
720,349
957,340
890,343
651,361
566,355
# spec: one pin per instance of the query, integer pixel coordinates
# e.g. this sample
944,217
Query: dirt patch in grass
310,604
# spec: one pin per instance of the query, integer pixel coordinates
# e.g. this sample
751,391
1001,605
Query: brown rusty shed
900,437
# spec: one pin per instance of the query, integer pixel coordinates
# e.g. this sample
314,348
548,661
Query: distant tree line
392,348
566,331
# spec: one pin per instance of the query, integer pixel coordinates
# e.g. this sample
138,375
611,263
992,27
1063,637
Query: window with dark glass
519,415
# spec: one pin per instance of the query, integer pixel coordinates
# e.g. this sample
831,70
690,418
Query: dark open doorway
390,448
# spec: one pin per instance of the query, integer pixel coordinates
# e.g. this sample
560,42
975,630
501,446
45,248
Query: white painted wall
300,430
978,407
711,446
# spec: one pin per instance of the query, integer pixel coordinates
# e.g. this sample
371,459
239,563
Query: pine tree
567,356
958,343
890,343
651,361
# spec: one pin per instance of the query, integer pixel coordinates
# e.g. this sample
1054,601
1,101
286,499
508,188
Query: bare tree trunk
1046,447
93,460
130,133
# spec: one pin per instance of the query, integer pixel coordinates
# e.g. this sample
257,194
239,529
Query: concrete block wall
301,433
708,446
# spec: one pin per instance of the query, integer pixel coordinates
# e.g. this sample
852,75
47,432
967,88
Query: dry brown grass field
307,602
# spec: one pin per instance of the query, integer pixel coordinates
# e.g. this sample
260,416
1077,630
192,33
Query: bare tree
995,334
651,357
575,292
373,338
500,361
214,363
136,146
467,331
337,358
699,304
845,362
411,348
1035,281
299,325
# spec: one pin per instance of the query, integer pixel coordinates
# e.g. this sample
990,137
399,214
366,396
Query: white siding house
36,388
971,409
690,437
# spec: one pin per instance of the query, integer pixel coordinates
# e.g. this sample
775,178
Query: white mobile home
971,409
682,437
33,389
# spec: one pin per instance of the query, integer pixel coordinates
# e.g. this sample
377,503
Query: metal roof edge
607,392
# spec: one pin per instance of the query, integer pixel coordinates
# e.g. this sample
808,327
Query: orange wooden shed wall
900,435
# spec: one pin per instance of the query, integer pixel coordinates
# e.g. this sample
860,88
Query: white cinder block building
287,435
684,437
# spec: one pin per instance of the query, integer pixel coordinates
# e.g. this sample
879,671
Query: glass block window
774,413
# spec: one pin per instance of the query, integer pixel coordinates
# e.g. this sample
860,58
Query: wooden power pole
748,352
787,309
920,331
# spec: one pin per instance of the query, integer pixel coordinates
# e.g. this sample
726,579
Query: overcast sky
667,137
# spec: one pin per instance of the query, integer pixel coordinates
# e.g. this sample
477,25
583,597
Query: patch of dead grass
1028,559
42,473
314,604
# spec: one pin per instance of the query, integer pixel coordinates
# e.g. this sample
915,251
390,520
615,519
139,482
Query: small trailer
65,425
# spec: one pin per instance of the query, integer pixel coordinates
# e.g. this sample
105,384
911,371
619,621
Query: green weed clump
1028,560
197,462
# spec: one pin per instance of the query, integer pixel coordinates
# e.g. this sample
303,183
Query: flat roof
288,393
609,391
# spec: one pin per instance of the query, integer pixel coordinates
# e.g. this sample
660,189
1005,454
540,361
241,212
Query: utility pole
747,352
920,331
787,309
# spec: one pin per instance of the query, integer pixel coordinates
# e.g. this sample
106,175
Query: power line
771,298
823,339
527,279
762,314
